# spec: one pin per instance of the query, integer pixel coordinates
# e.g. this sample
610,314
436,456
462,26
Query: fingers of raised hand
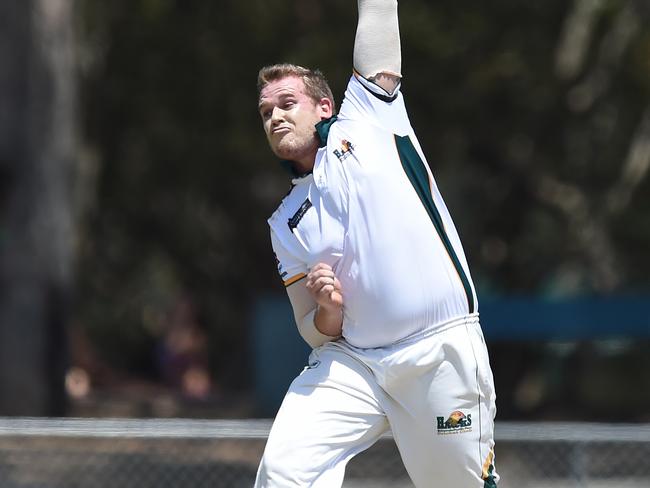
318,270
321,282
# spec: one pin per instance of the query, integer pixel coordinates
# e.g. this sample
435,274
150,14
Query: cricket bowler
378,281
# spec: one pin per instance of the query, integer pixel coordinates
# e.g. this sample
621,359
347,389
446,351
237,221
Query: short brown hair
316,86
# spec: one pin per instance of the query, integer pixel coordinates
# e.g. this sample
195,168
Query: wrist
329,308
329,320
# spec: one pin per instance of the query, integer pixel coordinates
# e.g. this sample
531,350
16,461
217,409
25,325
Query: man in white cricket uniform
378,280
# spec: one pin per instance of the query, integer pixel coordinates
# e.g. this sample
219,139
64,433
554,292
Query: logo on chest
344,151
297,217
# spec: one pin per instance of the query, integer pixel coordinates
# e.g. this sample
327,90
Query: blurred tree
545,129
185,181
37,147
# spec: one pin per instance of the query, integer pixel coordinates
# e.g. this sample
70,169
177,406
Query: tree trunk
37,146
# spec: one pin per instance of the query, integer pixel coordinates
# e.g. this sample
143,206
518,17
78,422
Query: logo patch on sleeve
297,217
457,423
345,150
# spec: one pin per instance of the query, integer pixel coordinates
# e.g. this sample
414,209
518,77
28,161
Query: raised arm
377,52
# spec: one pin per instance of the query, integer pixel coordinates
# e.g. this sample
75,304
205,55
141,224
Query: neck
303,162
304,165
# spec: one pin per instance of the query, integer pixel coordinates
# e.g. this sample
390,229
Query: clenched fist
325,289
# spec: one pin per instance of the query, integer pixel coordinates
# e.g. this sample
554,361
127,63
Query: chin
289,151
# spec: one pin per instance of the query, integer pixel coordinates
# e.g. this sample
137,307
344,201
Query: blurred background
136,273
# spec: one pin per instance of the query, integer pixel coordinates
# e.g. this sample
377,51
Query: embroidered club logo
345,150
457,423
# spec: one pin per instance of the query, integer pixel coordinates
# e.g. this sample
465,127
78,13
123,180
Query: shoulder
292,201
368,103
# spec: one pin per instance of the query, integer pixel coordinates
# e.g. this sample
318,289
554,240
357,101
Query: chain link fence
129,453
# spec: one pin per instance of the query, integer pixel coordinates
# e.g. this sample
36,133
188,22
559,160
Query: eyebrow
282,97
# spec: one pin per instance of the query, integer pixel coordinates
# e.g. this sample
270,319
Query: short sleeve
290,268
367,102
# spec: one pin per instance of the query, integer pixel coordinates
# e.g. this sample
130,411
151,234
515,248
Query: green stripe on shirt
417,174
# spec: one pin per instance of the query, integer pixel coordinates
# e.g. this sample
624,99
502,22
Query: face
289,116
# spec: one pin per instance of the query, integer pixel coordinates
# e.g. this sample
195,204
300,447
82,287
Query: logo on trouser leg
457,423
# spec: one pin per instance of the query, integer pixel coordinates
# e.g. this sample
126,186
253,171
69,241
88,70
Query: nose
277,116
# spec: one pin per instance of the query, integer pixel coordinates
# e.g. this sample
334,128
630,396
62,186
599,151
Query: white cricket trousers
434,391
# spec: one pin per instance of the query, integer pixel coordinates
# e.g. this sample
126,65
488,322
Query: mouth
281,130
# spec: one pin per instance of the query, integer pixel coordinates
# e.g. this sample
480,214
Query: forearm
377,43
305,310
329,321
310,332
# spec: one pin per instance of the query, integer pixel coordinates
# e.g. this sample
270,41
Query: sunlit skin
289,116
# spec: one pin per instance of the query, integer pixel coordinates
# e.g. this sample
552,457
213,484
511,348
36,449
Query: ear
325,106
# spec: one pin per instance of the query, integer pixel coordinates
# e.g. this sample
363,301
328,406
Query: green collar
323,130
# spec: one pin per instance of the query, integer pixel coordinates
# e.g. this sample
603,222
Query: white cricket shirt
372,211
